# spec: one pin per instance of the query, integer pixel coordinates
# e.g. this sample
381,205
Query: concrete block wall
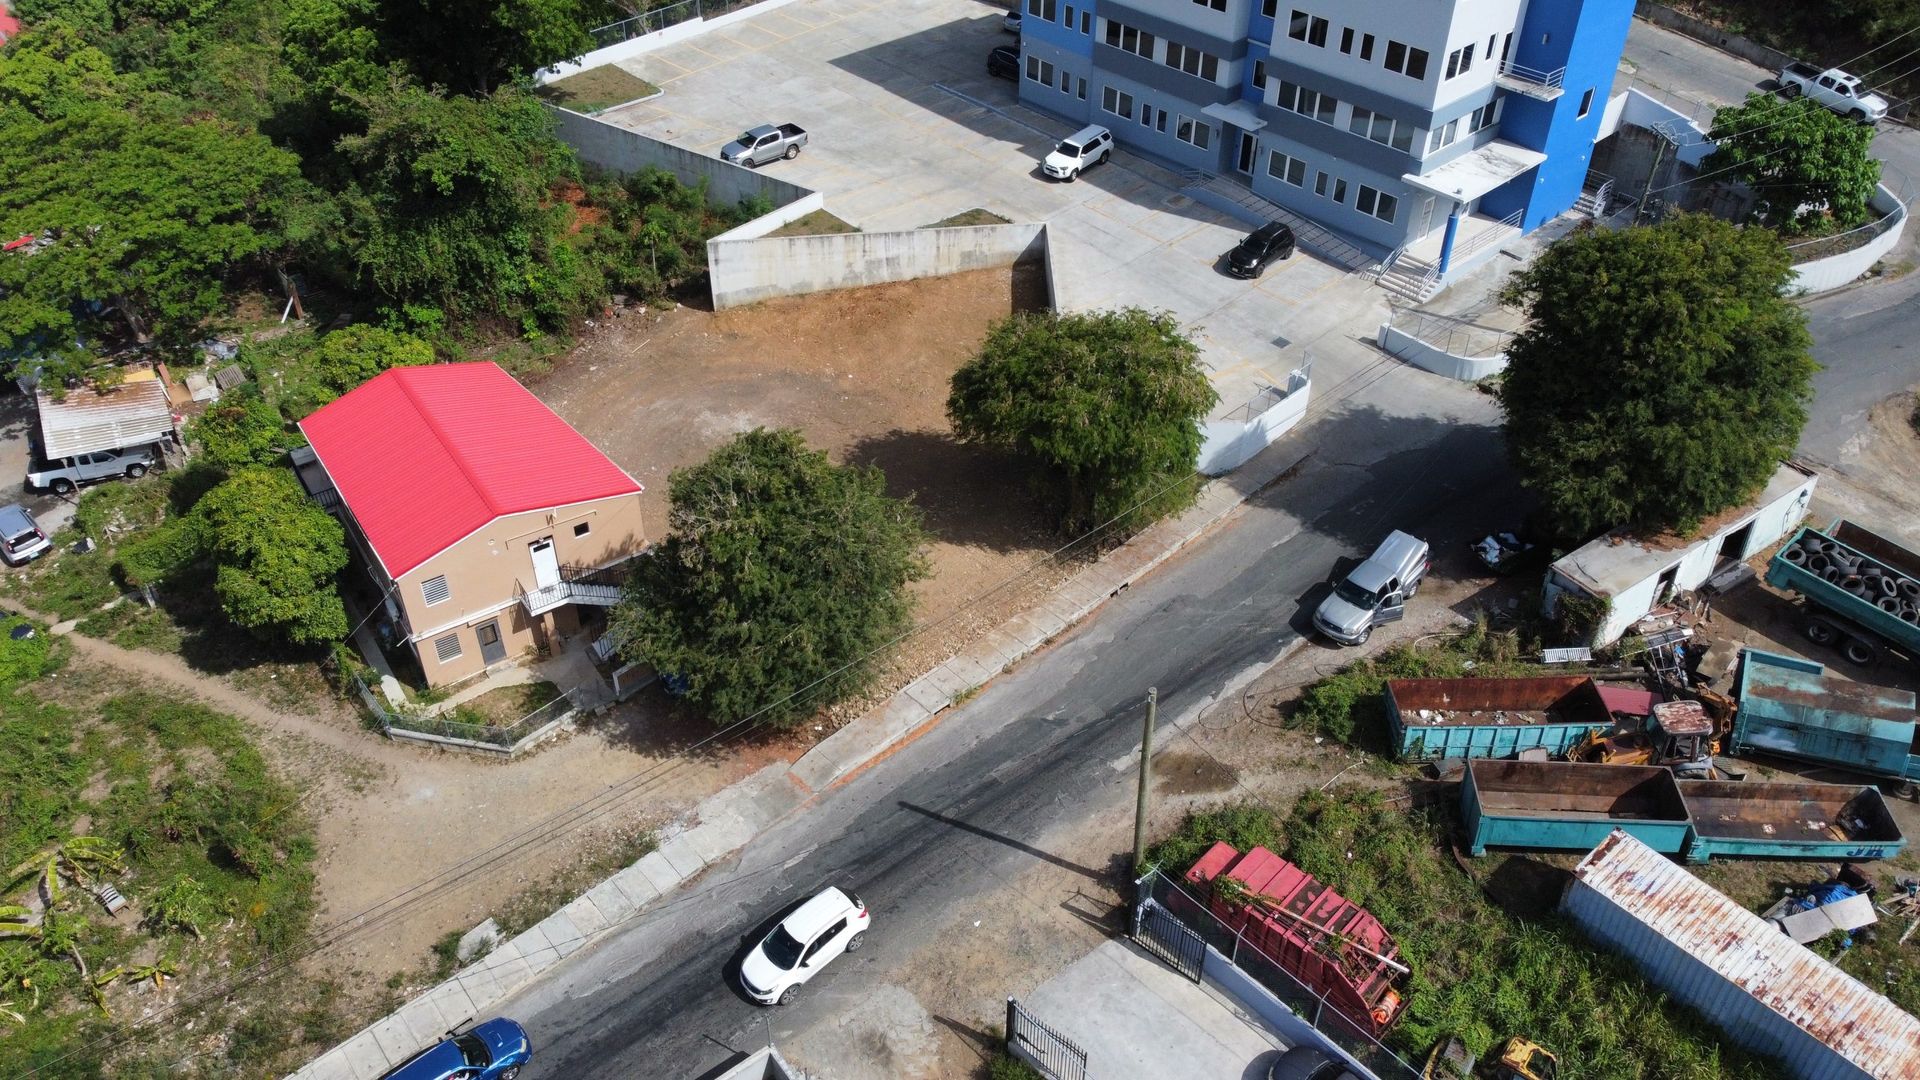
743,271
617,149
1229,443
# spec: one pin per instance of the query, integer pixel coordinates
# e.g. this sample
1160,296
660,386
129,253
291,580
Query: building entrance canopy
1470,176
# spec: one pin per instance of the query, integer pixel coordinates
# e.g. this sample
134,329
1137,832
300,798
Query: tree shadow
971,496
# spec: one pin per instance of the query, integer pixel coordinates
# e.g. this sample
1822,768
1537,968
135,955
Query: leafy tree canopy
1809,164
242,428
1108,404
782,572
276,555
343,360
1661,378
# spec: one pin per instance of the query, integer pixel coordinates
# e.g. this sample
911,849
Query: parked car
21,538
1306,1063
806,941
1376,591
1079,151
65,474
1012,21
494,1050
1837,90
1267,244
757,146
1004,61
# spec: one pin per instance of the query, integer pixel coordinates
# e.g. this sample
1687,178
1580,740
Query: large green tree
1107,404
1809,165
1662,375
781,577
276,555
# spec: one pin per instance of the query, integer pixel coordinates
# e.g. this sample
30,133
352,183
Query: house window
447,647
1317,33
1586,102
1492,39
1117,103
1193,61
1193,132
1485,116
1376,203
1346,40
1297,25
1366,46
1040,71
1128,39
582,529
434,590
1146,117
1259,74
1290,169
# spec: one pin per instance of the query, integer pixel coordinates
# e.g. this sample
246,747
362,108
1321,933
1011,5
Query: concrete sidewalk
1109,1000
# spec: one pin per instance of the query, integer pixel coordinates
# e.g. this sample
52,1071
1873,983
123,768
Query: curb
731,818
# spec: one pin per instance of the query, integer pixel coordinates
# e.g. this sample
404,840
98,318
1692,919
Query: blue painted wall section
1057,33
1586,38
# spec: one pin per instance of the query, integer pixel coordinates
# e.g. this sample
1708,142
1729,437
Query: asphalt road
962,808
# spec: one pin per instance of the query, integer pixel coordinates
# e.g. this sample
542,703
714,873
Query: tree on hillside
1107,404
343,360
1661,377
469,47
242,428
781,573
1807,163
276,555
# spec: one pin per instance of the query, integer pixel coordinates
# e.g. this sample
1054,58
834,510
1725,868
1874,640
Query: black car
1306,1063
1004,61
1267,244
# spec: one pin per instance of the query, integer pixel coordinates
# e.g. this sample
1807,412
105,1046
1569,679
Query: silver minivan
1376,591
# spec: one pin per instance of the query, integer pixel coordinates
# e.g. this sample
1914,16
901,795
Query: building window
1380,128
1485,116
1193,132
1459,61
1346,40
582,529
1339,190
1146,117
1320,184
1443,136
1506,46
1270,8
1311,29
1376,203
1217,5
1066,81
1040,71
1068,21
1366,46
1290,169
1117,103
1193,61
447,647
1128,39
1586,102
1406,60
1259,74
1042,9
1082,94
434,590
1086,23
1492,39
1309,103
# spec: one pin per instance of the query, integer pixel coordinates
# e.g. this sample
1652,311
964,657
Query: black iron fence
1160,900
1032,1041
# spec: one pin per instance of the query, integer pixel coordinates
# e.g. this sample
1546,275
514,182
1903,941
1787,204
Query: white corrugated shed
134,413
1769,993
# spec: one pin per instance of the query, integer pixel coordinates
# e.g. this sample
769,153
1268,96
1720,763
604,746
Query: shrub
1244,825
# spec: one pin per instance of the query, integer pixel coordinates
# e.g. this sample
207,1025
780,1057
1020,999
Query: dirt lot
864,374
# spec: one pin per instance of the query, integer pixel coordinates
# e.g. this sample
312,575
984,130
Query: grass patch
535,902
596,89
975,216
817,223
1350,705
1480,971
505,706
1007,1067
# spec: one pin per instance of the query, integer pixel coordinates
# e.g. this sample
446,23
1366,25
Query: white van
1089,146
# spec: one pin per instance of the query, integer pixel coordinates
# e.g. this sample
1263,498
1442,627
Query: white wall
617,149
1823,275
646,43
744,271
1437,360
1228,444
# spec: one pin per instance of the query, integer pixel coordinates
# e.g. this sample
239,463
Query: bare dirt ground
864,373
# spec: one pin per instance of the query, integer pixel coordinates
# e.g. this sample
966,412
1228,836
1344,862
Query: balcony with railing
599,586
1540,85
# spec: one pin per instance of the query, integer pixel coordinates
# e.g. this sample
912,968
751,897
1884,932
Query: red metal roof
424,456
1629,700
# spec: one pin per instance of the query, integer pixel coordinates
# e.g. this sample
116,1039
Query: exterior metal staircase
577,585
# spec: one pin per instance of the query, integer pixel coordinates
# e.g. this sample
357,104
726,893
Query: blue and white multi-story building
1410,125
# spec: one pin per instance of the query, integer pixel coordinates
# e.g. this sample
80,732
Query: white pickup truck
1837,90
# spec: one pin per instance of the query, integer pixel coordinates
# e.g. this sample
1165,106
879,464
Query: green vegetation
1004,1067
1481,970
596,89
1866,35
1349,705
1106,405
782,579
1662,377
815,223
506,706
537,901
1810,166
975,216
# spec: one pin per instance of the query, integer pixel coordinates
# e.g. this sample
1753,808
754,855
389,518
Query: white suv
1074,154
805,942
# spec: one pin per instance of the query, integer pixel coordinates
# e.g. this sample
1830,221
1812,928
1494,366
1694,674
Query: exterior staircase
577,585
1405,276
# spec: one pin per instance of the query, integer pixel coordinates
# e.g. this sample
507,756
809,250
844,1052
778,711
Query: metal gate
1170,939
1053,1054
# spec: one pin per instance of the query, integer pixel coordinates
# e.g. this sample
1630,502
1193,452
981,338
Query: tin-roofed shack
84,420
1481,718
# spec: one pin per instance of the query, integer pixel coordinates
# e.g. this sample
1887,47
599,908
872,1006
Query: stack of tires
1886,588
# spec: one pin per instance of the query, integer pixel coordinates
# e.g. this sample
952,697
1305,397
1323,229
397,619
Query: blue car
494,1050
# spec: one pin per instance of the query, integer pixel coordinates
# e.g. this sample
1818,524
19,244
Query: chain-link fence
399,722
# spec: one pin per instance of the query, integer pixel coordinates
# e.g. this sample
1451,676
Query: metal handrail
1552,80
1486,236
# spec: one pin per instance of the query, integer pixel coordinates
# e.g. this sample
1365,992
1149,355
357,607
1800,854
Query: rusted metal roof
134,413
1782,976
1565,699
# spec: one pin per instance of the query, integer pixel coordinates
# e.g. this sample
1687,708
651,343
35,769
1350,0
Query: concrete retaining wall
617,149
1229,443
1639,110
1823,275
1437,360
745,271
648,42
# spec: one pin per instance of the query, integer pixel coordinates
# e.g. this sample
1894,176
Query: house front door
492,649
546,564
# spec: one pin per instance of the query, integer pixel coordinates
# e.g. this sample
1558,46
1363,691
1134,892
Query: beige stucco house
486,520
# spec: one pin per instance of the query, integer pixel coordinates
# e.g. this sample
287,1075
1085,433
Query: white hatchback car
805,942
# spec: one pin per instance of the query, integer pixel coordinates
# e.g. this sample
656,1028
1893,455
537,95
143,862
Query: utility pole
1146,780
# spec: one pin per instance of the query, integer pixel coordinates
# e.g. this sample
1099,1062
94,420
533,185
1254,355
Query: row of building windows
1042,72
1129,39
1368,124
1217,5
1194,132
1192,61
1480,119
1304,26
1048,9
1367,199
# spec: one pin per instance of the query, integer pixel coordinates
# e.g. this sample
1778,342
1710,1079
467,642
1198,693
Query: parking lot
907,129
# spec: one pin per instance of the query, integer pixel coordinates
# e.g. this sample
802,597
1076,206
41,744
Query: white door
546,564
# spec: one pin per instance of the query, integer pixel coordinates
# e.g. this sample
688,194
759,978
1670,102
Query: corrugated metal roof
134,413
424,456
1739,946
